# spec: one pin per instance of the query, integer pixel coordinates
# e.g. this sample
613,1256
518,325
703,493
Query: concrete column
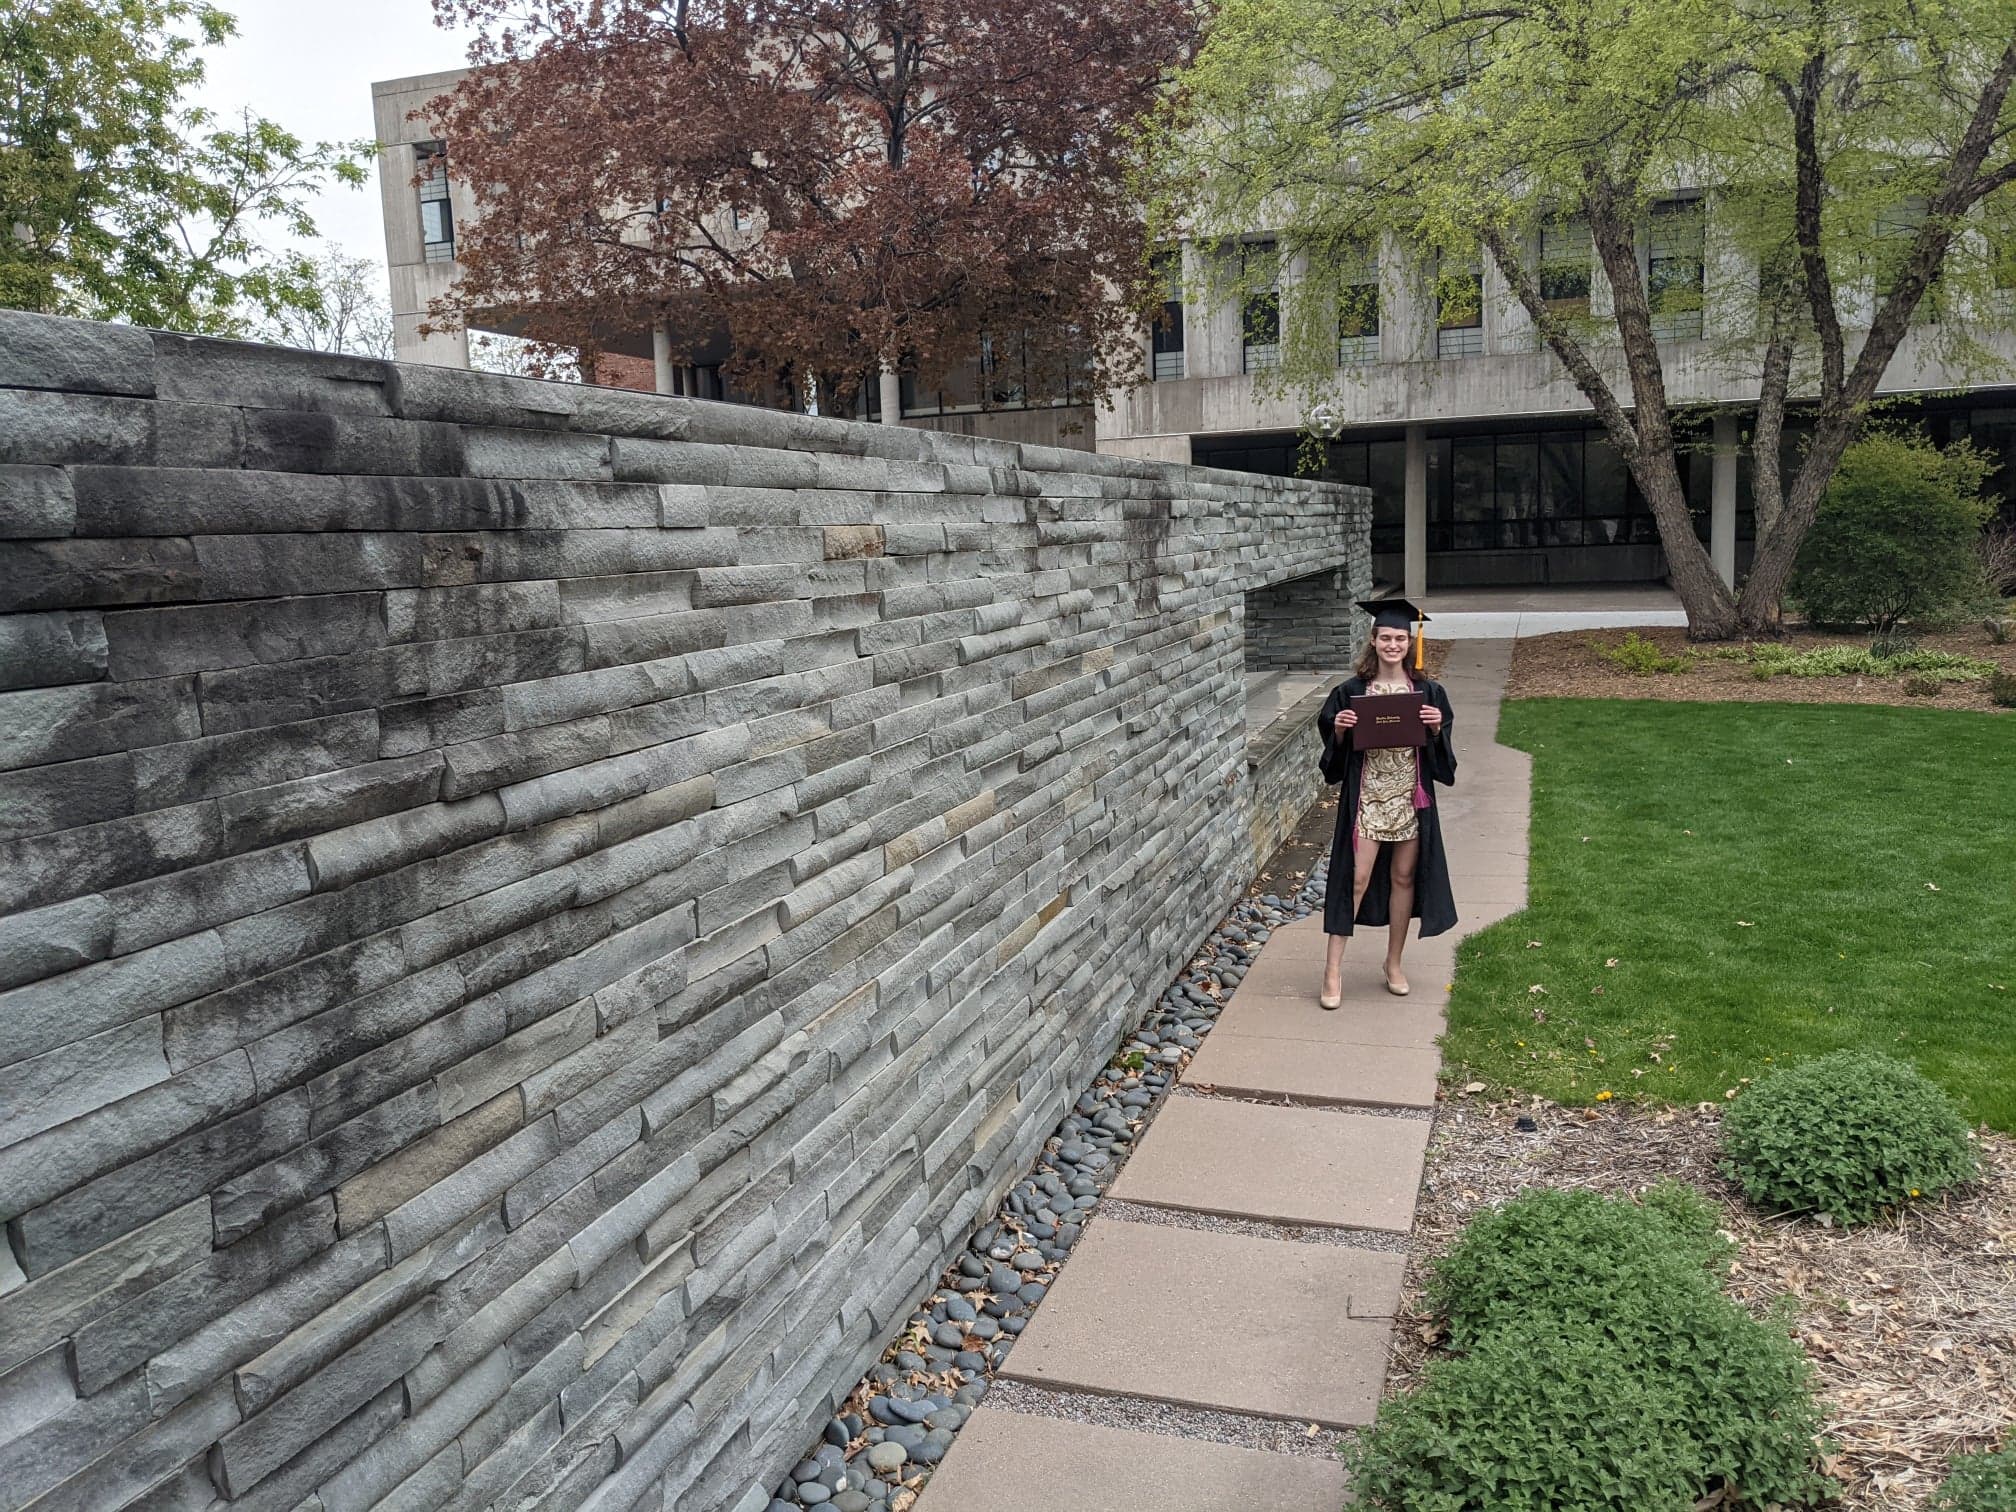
1722,501
892,397
1415,578
661,358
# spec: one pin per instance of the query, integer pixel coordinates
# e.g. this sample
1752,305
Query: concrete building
1487,465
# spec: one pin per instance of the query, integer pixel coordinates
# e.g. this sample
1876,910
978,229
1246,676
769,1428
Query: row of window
1673,278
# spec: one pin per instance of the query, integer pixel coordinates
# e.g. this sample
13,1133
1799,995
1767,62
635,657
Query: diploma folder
1388,719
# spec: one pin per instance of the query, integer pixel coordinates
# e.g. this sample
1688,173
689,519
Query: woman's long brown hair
1368,660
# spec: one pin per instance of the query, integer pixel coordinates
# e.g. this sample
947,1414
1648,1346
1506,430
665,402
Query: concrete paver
1279,1164
1013,1461
1313,1072
1203,1319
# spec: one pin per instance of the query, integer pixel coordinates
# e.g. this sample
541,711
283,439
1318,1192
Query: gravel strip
1369,1110
1299,1233
1146,1416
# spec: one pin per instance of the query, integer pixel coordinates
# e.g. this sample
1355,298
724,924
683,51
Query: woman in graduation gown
1387,865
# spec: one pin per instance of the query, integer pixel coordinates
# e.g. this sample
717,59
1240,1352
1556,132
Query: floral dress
1386,811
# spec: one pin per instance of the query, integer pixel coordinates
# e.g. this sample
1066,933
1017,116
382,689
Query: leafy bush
1923,685
1850,1134
2002,689
1892,643
1896,535
1636,654
1603,1368
1572,1248
1979,1483
1853,661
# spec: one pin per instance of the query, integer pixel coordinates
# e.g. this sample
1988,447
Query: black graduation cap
1396,614
1392,613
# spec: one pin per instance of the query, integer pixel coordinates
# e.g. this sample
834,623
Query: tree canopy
123,201
842,187
1850,155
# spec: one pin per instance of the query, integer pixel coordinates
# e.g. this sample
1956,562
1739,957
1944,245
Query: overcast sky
310,66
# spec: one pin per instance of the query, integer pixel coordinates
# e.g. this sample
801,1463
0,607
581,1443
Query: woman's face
1391,644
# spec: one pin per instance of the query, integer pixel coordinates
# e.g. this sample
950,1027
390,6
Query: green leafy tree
1854,156
349,313
123,202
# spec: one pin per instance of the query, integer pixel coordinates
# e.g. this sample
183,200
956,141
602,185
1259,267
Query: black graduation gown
1434,905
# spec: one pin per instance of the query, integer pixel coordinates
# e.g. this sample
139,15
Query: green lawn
1798,917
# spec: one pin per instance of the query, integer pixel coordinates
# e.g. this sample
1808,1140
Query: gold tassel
1418,643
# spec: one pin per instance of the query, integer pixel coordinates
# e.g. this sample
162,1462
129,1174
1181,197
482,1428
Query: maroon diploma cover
1388,719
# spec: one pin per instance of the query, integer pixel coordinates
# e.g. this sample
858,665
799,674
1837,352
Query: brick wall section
1307,624
536,917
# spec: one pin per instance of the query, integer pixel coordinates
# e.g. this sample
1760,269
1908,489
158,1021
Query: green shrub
1923,685
1895,536
2002,689
1573,1248
1638,655
1851,1134
1979,1483
1854,661
1603,1368
1892,643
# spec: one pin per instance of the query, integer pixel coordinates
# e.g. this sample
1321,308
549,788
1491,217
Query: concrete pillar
892,397
1415,578
1722,501
661,358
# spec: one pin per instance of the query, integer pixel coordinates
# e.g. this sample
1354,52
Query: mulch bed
1910,1323
1566,665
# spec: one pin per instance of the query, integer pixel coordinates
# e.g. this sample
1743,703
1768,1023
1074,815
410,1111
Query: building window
1260,315
1459,309
1358,314
1564,269
1167,335
437,216
1673,268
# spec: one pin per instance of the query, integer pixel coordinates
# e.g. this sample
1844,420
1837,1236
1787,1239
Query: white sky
309,66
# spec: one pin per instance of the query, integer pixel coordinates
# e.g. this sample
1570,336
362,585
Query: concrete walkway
1508,613
1307,1129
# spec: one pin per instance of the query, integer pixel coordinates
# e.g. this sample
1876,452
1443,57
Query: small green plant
1638,655
1896,535
1893,643
1851,1135
1923,685
1600,1366
1854,661
2002,689
1133,1060
1983,1482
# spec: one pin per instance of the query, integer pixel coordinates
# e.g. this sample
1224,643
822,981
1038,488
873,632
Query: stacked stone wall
533,918
1307,624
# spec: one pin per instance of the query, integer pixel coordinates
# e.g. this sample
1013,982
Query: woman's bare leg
1405,855
1333,953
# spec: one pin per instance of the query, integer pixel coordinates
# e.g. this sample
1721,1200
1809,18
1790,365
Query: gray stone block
54,1305
183,638
67,795
423,614
198,898
100,1211
414,1448
48,941
291,1487
421,723
46,650
79,1078
59,1010
80,356
60,724
190,770
481,1181
328,800
58,1448
243,1203
207,370
373,1193
314,442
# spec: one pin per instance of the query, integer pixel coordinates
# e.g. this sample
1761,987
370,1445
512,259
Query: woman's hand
1345,719
1431,717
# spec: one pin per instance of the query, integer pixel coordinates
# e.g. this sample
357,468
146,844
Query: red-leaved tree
845,187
